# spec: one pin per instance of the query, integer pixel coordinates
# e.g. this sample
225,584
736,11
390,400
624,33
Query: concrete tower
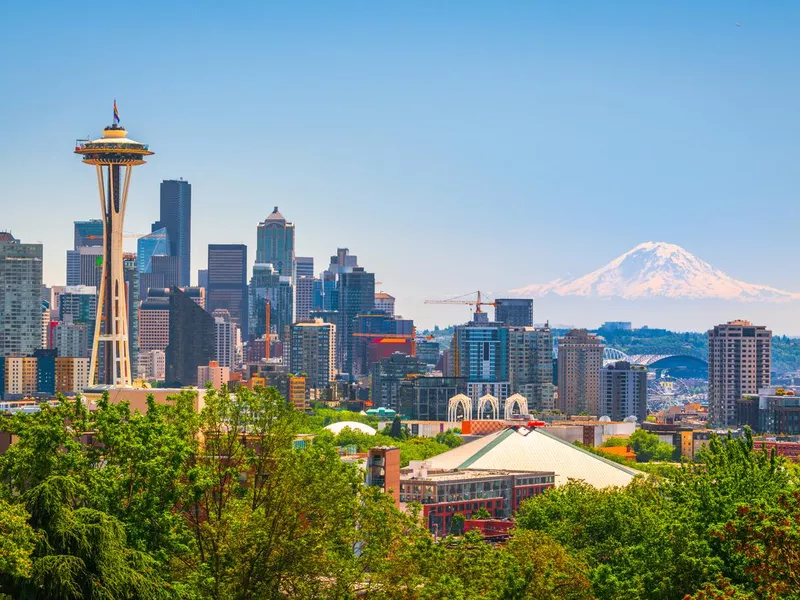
114,155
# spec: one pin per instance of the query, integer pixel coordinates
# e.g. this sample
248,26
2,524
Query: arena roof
533,450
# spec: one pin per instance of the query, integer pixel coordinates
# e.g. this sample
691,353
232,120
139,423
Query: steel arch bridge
613,355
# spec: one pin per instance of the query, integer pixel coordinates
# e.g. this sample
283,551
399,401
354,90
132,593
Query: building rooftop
275,215
456,475
534,450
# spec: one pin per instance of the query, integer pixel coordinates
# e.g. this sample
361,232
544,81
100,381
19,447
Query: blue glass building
150,245
176,217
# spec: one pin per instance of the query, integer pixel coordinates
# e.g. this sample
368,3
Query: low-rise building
72,375
445,493
772,410
213,374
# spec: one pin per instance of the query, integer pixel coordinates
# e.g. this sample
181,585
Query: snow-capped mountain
659,270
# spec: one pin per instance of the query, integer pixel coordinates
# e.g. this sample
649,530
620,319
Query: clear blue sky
451,145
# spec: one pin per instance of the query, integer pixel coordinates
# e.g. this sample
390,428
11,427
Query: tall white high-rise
228,339
580,357
623,391
313,352
20,296
739,360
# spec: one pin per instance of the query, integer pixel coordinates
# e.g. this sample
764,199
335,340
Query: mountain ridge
658,270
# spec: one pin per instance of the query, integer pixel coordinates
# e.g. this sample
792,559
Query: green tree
648,447
628,537
47,443
481,513
137,462
449,438
538,567
615,442
81,552
266,520
457,524
397,428
17,542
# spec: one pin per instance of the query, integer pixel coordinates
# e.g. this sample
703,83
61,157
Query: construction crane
477,303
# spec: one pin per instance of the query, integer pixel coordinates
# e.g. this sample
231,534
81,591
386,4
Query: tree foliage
670,535
220,505
648,447
449,438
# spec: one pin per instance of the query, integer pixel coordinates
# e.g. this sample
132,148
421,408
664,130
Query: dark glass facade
46,371
356,296
192,340
176,216
227,281
514,312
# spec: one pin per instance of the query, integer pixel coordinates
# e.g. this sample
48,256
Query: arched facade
459,400
518,400
493,403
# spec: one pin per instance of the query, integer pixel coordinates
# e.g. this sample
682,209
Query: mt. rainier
659,269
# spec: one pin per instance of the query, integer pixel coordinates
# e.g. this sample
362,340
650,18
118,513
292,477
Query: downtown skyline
450,149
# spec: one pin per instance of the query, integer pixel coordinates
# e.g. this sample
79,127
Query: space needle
114,155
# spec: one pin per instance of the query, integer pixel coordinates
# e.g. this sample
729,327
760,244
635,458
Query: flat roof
435,476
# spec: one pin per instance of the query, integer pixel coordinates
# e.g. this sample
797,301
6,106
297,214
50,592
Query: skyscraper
89,266
131,277
275,243
514,312
71,339
623,391
376,335
305,266
227,282
356,296
164,273
427,398
313,352
20,296
267,285
480,354
304,297
150,245
227,339
113,155
580,357
79,303
739,359
531,365
343,262
176,217
192,339
153,330
88,234
384,303
387,376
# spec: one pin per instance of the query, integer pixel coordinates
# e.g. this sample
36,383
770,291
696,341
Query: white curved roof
336,428
534,450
